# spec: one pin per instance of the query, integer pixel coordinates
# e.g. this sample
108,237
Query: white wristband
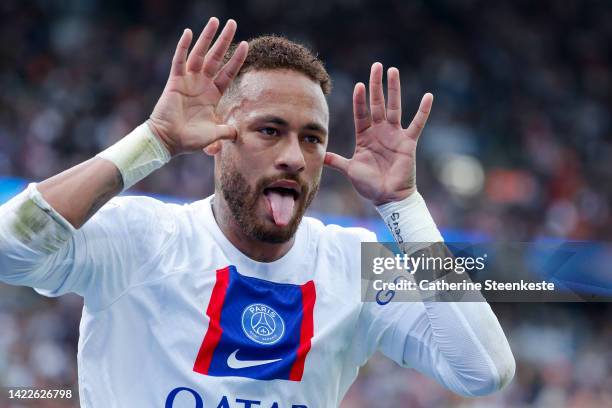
137,155
410,221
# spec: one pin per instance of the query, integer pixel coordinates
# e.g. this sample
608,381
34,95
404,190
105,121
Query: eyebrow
315,127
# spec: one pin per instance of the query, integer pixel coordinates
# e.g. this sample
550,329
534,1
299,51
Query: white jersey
176,316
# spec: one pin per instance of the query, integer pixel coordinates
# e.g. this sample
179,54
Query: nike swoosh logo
233,362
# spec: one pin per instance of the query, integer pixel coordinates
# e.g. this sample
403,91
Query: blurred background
518,147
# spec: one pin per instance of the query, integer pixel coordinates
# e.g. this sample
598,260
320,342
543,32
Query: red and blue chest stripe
257,328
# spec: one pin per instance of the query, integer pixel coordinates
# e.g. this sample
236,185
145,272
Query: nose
291,157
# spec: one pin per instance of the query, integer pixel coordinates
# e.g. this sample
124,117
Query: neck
255,249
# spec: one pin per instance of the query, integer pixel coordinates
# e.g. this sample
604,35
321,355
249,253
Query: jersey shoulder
339,234
145,221
141,211
338,252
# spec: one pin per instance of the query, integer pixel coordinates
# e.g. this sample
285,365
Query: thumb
222,132
337,162
225,132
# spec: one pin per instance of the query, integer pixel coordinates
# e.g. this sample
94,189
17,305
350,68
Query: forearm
80,191
459,343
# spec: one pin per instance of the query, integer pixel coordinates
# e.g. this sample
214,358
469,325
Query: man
238,300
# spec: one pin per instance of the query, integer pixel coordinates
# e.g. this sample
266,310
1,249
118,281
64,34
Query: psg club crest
257,328
262,324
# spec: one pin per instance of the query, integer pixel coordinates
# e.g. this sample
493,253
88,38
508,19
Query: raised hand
184,116
383,166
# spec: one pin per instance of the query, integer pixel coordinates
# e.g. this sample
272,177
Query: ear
213,148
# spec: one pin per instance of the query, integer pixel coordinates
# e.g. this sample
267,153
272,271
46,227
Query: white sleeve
38,248
460,344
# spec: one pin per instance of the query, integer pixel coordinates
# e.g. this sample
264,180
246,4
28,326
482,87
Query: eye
312,139
270,131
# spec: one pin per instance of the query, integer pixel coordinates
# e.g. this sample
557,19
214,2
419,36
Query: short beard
242,201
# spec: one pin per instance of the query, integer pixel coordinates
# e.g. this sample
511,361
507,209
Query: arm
182,121
460,344
39,241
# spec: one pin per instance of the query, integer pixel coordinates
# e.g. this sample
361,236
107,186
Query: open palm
184,117
383,166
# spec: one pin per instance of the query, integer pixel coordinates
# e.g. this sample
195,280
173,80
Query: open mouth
281,196
284,191
284,187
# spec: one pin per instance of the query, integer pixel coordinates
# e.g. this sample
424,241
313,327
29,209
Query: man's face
271,173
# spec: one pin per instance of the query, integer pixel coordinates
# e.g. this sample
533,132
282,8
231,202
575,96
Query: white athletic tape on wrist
410,221
137,155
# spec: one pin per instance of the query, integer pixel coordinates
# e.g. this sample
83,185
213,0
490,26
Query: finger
232,67
394,94
420,118
196,57
337,162
214,57
180,54
377,97
213,148
362,117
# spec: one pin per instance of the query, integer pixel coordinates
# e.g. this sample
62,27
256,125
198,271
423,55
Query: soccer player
238,300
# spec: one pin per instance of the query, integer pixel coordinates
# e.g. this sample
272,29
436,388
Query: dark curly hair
275,52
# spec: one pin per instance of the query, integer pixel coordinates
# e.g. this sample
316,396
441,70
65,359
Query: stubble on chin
242,200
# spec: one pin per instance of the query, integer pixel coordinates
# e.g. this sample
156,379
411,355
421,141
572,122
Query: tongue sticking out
282,207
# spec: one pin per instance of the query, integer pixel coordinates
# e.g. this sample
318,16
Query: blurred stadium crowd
518,146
